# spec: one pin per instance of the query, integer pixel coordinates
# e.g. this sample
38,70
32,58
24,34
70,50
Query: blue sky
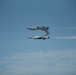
22,56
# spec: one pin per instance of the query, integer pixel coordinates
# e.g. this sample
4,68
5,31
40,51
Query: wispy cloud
66,37
13,44
47,62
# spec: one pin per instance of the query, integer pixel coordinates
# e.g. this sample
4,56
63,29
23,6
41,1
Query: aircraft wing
47,32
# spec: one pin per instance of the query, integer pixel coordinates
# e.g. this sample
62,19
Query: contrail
64,28
66,37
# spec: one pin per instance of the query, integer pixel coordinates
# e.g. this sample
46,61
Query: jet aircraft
40,28
39,37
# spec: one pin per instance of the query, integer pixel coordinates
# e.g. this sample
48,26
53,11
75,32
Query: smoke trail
66,37
64,28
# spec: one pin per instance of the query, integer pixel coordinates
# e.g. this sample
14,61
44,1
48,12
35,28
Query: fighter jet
40,28
39,37
46,36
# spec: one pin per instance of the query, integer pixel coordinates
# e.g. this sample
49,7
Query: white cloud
66,37
51,62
